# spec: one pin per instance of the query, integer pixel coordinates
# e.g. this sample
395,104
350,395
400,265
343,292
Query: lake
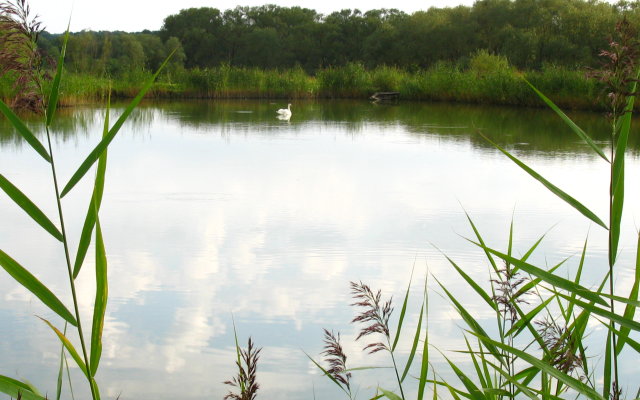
216,211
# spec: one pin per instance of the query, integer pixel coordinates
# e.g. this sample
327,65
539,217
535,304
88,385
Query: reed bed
571,89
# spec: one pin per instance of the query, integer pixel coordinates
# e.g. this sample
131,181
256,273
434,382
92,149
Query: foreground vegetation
538,346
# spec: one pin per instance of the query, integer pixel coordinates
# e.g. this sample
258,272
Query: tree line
530,34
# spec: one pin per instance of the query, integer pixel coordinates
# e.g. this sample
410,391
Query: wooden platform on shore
385,96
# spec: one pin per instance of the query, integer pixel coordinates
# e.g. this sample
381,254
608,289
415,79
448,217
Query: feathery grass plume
374,312
507,284
619,67
246,378
562,347
20,56
335,357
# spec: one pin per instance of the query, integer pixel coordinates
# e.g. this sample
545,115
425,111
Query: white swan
285,112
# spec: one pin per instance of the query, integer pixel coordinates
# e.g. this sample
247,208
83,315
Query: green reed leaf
549,277
32,284
575,128
424,364
523,321
479,237
471,282
52,104
414,346
576,280
104,143
617,318
31,387
17,389
94,205
100,305
67,344
535,282
630,309
573,383
606,386
61,368
29,207
389,395
513,380
485,379
532,249
474,392
24,131
402,312
471,322
617,177
552,188
327,374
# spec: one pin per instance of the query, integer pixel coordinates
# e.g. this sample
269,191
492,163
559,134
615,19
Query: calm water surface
214,209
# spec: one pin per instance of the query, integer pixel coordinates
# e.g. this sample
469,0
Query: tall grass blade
414,346
570,381
471,322
32,387
69,346
94,205
576,280
52,104
550,278
238,352
402,312
389,395
554,189
532,249
474,391
606,386
66,364
525,320
575,128
535,282
479,237
32,284
521,388
24,131
485,380
100,305
61,368
29,207
104,143
17,389
327,374
630,309
617,176
619,319
424,364
474,285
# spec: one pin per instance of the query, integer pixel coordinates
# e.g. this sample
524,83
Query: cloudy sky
137,15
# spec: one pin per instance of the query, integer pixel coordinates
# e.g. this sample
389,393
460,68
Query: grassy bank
501,86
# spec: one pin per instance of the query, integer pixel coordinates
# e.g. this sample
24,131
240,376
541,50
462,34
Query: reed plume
246,379
507,296
562,346
375,312
20,56
336,358
619,67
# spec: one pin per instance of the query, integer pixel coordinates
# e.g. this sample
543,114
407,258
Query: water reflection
526,129
213,208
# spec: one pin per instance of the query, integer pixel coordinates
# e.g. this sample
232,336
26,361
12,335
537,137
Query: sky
138,15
